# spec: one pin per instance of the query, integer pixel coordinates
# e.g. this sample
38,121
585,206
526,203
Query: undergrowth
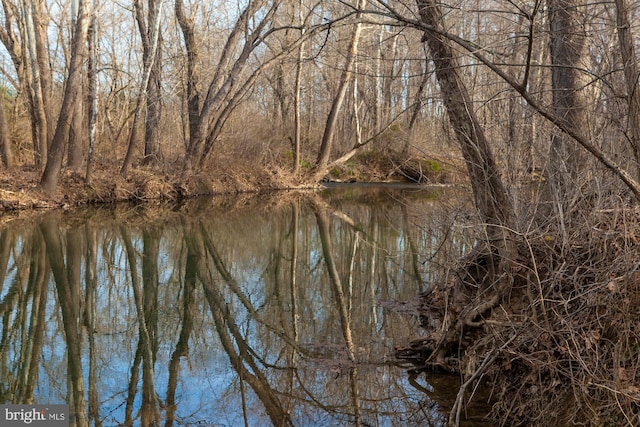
563,347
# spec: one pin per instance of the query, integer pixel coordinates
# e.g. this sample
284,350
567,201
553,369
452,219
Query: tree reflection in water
255,311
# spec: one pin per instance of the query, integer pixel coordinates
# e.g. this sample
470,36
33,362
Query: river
279,309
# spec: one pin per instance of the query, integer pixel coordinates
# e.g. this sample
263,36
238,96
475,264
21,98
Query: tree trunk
297,131
154,91
416,110
568,50
75,152
390,74
6,151
152,151
193,95
280,102
44,66
35,86
51,175
92,90
491,198
151,39
377,112
330,127
630,66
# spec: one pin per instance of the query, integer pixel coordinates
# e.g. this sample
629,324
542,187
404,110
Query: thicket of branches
561,346
304,84
183,84
546,294
212,69
517,88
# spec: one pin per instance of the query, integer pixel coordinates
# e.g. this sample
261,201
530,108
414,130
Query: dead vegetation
226,175
391,165
563,347
19,186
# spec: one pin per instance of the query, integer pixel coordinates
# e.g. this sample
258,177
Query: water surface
243,310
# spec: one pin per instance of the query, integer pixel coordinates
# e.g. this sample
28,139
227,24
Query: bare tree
330,127
228,84
53,168
150,85
152,151
491,198
35,74
297,126
568,52
92,90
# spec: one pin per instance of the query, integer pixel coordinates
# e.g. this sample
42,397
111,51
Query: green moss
394,127
434,165
371,158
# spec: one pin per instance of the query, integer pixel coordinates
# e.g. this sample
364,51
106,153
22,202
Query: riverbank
562,346
566,332
19,186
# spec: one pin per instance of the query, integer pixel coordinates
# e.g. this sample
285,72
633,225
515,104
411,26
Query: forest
532,105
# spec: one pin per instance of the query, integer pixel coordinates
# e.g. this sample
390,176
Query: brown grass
228,172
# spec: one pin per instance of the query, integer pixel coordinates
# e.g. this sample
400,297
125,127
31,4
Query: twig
457,406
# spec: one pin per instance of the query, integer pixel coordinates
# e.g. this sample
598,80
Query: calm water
279,310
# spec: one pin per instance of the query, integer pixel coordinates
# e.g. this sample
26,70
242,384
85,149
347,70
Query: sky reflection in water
271,310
